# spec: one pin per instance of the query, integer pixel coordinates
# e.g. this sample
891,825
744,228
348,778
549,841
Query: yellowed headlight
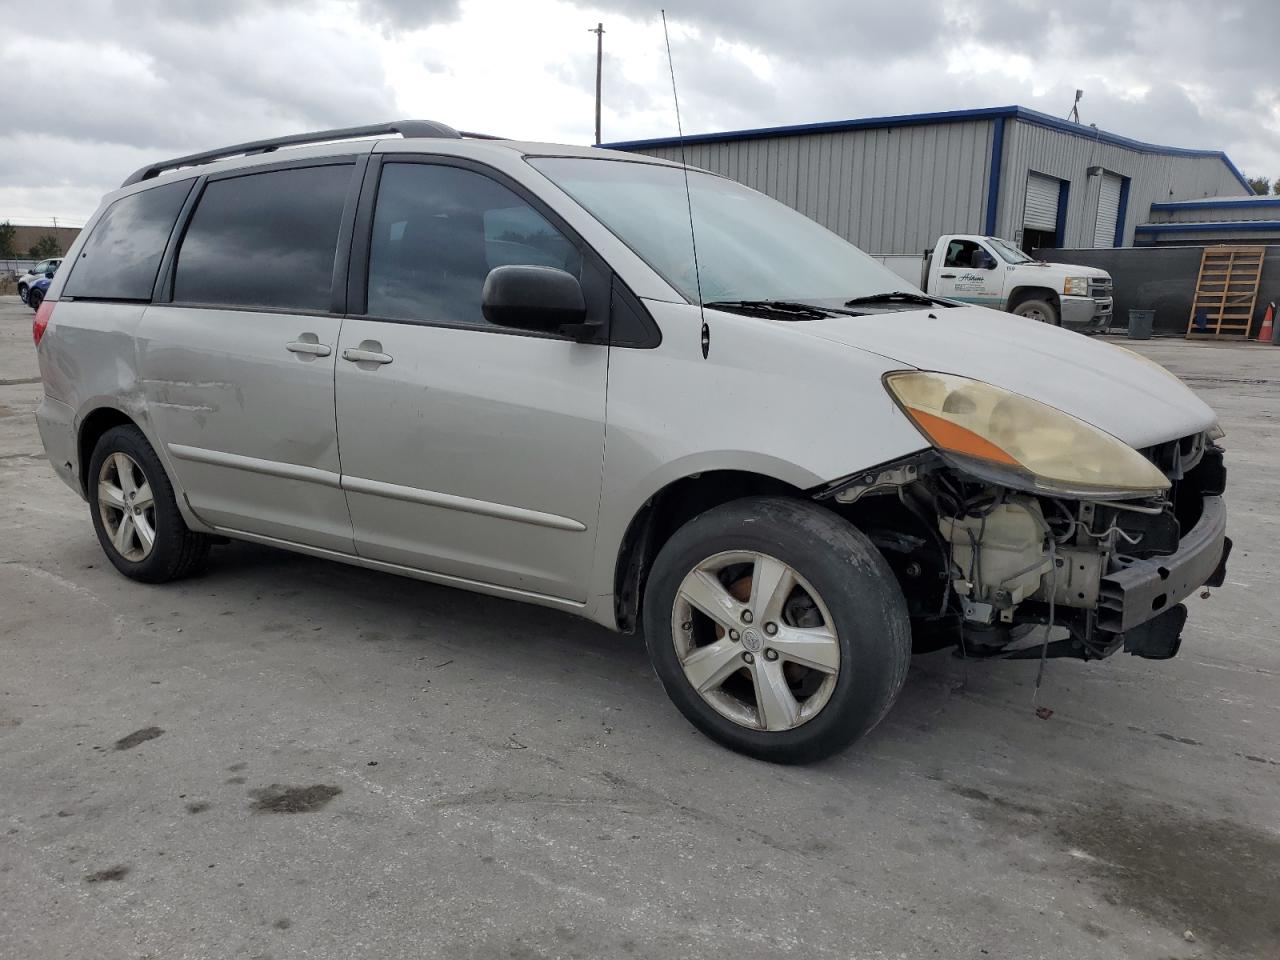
1029,444
1076,286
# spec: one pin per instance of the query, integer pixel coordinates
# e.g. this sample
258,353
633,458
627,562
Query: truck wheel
135,513
1041,311
776,628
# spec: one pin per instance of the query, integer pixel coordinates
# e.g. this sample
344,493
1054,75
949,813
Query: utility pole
599,32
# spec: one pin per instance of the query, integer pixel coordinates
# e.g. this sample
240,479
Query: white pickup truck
992,272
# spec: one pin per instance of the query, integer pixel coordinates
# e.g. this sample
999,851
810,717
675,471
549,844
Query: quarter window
438,231
120,259
265,240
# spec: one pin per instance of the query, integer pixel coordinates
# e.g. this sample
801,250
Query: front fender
766,401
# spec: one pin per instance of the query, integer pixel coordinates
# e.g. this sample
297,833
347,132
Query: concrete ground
484,779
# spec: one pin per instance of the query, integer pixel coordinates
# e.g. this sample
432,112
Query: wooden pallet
1226,291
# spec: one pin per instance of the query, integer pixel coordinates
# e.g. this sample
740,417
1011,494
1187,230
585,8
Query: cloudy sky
95,88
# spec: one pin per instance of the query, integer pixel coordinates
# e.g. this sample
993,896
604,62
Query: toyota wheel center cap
752,640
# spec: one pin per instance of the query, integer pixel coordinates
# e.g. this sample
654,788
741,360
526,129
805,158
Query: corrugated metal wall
1258,209
892,190
895,190
1153,177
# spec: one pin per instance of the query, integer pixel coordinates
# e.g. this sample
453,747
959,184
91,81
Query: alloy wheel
755,640
127,507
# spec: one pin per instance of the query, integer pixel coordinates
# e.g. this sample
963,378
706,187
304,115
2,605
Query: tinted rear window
264,240
120,259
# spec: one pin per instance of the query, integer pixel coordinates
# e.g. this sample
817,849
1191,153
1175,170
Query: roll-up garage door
1104,228
1041,211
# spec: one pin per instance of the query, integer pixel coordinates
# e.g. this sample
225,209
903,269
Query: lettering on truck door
969,273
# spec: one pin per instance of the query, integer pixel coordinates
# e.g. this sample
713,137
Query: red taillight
43,316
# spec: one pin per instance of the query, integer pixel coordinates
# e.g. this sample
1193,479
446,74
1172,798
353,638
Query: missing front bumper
1143,589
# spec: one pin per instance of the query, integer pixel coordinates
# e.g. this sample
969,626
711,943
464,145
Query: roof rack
409,129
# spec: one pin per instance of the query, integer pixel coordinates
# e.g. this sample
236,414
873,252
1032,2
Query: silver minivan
625,389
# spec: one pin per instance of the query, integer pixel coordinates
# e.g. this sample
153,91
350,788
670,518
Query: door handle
947,276
309,347
361,355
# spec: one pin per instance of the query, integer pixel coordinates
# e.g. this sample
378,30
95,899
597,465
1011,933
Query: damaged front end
983,563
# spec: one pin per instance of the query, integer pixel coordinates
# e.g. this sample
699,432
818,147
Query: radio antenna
705,336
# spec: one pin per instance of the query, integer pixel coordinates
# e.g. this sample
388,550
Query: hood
1067,269
1126,396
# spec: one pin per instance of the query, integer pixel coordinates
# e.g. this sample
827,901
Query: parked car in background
809,472
992,272
42,270
36,292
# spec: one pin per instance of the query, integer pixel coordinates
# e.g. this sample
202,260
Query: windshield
749,246
1008,252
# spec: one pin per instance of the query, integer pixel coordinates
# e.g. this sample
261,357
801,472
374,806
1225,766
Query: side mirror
49,274
987,262
533,298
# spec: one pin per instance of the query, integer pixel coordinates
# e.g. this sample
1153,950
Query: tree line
1262,186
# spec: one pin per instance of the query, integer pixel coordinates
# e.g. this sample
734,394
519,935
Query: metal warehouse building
893,185
1214,220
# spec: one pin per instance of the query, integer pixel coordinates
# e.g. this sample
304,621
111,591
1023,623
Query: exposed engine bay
983,565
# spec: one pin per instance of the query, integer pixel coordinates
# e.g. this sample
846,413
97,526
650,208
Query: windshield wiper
895,296
786,308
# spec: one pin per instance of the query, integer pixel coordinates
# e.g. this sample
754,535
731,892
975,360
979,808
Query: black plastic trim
630,322
342,258
162,292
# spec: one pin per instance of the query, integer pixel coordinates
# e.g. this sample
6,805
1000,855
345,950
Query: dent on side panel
766,400
87,358
246,425
89,361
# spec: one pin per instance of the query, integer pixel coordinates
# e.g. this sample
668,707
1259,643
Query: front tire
1042,311
776,628
135,512
22,292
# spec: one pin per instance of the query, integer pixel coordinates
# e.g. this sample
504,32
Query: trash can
1140,324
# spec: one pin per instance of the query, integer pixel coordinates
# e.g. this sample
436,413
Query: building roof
946,116
1211,203
1210,226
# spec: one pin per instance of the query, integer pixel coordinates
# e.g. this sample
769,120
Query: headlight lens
1076,286
1019,442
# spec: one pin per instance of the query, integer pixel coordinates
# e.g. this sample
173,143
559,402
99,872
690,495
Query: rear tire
135,512
1042,311
34,299
811,640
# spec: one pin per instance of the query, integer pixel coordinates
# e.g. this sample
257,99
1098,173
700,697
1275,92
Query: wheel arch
1020,295
664,512
92,427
